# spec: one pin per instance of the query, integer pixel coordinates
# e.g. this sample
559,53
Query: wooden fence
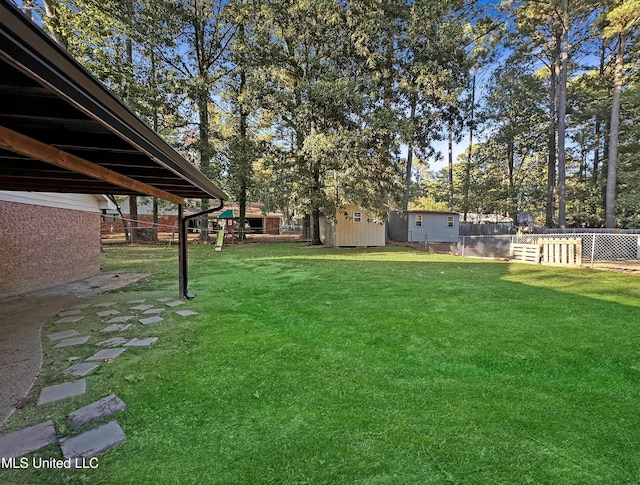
525,253
561,251
565,252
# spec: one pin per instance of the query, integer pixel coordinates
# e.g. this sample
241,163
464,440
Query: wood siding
346,232
81,202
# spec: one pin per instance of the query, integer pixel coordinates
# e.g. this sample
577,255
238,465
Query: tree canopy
308,105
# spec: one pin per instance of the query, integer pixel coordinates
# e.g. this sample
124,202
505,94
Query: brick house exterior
47,239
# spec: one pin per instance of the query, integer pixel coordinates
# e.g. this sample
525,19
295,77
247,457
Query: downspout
183,253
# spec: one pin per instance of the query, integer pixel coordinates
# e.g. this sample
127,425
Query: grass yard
380,366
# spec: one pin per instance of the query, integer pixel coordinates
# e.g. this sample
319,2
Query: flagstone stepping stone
153,311
93,442
141,342
106,406
113,342
121,319
175,303
106,354
80,306
105,304
61,391
71,319
26,440
64,334
141,307
70,312
68,342
106,313
81,369
116,327
186,313
133,302
147,321
164,298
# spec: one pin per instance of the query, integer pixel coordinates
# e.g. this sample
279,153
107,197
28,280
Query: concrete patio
21,365
21,320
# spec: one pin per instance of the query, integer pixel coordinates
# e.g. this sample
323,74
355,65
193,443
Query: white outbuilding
353,227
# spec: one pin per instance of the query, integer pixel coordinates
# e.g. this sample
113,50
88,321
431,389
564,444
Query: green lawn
371,366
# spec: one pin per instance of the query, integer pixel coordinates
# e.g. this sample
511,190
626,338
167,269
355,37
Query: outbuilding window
450,221
357,217
419,221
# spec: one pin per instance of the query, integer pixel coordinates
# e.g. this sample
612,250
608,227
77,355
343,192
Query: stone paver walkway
186,313
68,342
21,320
175,303
106,354
26,440
98,439
115,328
107,406
93,442
141,342
113,342
61,391
81,369
147,321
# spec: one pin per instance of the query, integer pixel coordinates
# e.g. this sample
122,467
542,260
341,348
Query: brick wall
43,246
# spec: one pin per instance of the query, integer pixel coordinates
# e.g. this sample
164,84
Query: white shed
354,226
421,226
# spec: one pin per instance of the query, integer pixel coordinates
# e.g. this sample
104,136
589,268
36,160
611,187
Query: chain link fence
597,248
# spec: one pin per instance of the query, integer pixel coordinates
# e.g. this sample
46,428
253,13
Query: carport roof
61,130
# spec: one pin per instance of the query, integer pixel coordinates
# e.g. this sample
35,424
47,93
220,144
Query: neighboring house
354,226
48,238
258,221
421,226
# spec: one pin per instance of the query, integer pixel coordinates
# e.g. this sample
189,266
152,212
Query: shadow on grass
381,366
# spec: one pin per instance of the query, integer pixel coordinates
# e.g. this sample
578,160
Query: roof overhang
61,130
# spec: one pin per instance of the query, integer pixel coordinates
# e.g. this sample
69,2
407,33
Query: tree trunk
205,156
466,184
407,181
51,12
551,143
450,156
156,126
513,206
243,146
562,112
156,219
315,211
610,210
242,219
133,216
596,140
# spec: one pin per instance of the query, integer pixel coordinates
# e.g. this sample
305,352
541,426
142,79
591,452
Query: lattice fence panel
596,247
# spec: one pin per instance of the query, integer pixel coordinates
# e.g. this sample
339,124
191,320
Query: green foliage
307,105
427,204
